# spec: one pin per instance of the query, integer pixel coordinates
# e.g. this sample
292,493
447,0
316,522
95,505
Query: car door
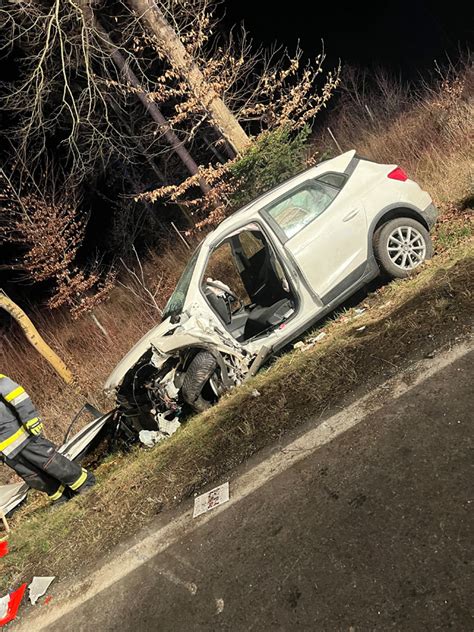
324,228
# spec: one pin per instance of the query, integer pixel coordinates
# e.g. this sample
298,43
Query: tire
401,245
200,370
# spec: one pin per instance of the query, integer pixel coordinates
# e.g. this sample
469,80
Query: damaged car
264,276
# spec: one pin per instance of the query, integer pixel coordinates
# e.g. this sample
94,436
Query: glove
34,426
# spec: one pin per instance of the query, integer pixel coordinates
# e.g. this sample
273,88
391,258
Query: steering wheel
222,287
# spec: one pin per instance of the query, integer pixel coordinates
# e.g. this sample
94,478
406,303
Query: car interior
246,286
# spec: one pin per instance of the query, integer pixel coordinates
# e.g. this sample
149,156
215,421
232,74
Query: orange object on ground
13,605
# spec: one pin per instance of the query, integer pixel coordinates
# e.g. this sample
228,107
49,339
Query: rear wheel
195,390
401,245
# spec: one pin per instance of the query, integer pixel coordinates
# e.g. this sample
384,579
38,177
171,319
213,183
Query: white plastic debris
361,329
210,500
38,587
151,437
4,601
359,311
168,426
255,393
320,336
310,342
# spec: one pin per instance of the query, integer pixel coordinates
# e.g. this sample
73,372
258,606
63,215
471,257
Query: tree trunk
189,218
151,107
35,339
155,113
182,61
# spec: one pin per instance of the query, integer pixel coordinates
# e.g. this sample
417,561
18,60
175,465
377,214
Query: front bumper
430,214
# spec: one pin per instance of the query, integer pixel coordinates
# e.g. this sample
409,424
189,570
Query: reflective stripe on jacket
16,409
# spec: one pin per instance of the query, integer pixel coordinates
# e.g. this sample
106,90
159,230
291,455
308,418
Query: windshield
175,304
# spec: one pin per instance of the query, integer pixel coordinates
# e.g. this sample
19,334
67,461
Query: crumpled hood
189,331
136,352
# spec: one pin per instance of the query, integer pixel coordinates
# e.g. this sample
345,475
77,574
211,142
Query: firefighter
34,458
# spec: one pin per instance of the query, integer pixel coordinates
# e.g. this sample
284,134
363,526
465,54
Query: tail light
398,174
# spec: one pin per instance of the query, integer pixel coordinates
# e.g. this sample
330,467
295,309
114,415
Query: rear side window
302,206
337,180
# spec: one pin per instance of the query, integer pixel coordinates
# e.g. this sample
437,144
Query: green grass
449,236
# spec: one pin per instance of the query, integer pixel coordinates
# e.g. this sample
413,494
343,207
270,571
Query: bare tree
71,48
100,82
133,81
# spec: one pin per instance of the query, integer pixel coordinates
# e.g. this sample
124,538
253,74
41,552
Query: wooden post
4,520
35,339
334,139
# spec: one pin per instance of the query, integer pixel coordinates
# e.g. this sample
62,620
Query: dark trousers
42,467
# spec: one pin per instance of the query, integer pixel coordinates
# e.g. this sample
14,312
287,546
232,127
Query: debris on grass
3,548
4,602
319,337
309,342
149,438
168,426
211,500
38,587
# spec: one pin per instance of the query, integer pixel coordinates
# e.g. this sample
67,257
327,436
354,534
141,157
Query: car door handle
351,215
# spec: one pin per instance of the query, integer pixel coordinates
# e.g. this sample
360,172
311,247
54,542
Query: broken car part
38,587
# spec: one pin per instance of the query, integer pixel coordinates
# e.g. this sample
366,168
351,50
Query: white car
267,274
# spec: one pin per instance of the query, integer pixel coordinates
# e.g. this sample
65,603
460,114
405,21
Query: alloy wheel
406,247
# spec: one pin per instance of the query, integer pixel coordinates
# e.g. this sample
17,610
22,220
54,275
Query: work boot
88,483
62,500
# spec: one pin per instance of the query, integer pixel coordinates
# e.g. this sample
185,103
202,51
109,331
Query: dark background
402,36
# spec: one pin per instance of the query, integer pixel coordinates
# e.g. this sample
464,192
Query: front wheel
196,386
401,245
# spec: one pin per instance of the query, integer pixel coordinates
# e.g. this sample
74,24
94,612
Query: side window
337,180
301,207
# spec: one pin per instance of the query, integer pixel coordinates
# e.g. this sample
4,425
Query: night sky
399,35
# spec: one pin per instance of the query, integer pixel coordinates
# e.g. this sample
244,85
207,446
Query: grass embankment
412,316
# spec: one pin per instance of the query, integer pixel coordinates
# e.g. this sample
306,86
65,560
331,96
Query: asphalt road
372,531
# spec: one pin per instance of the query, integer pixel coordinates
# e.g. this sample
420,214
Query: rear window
302,206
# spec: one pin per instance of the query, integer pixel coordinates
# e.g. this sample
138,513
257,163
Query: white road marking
243,486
